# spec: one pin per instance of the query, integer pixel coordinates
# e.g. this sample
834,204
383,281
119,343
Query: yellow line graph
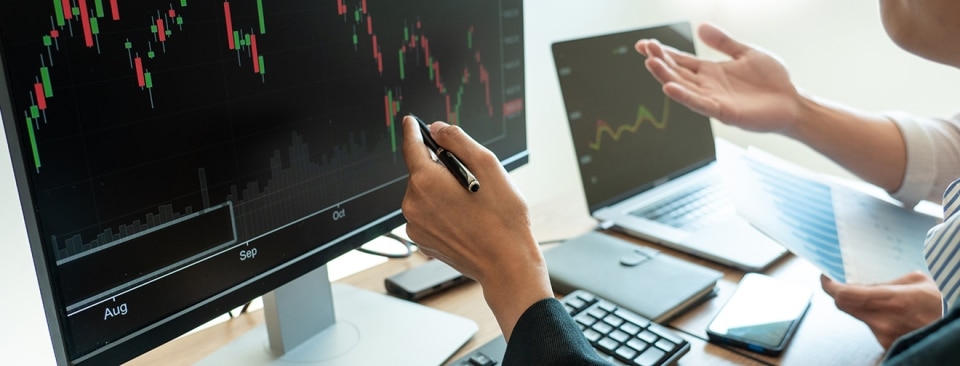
643,115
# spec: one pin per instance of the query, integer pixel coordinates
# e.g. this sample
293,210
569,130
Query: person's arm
893,309
485,235
753,91
547,335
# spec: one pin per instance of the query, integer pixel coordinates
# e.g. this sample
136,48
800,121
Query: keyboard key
633,318
619,336
607,306
576,303
607,344
665,345
585,319
587,298
613,320
601,327
665,333
626,353
480,359
630,328
649,357
592,335
597,312
647,336
637,344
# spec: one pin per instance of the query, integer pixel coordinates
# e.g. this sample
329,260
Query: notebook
652,284
640,153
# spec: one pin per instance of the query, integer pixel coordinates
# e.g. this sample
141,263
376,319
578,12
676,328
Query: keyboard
689,209
619,335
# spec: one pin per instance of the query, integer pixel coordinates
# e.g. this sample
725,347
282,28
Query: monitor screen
178,158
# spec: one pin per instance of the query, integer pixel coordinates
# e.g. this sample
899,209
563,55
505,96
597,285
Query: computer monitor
176,159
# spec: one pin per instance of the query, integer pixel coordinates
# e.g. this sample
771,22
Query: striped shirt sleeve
943,244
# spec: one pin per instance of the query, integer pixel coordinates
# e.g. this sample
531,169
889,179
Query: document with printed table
850,235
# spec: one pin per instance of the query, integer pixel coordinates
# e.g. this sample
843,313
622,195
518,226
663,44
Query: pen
447,158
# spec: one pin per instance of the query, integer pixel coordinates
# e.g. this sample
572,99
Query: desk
826,336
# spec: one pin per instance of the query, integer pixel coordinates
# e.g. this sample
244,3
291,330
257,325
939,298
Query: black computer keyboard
619,335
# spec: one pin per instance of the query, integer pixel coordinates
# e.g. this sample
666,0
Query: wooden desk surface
826,336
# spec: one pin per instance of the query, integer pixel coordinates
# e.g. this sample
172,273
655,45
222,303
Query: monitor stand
310,322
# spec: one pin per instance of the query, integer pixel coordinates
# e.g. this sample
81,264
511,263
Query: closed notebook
638,278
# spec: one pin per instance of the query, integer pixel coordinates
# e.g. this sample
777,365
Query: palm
753,92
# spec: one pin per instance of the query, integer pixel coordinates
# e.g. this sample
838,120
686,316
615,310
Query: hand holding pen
460,171
473,233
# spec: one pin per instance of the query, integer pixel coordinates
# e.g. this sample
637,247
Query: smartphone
761,315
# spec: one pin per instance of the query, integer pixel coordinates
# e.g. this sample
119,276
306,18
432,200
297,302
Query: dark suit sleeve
935,344
547,335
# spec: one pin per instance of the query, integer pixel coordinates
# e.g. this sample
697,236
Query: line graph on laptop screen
626,132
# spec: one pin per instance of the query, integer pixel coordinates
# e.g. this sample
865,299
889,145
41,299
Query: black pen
447,158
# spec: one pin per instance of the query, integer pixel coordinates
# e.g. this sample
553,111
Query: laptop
648,164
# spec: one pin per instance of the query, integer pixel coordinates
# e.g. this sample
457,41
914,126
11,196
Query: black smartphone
761,315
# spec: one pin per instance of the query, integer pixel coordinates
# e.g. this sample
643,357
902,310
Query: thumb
719,40
830,286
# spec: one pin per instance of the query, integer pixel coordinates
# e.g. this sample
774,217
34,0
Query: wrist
804,114
515,285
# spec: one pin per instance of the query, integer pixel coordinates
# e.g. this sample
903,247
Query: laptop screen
627,134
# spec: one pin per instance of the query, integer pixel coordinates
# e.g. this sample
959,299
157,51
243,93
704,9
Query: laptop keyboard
690,209
619,335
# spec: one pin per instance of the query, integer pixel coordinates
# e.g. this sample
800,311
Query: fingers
458,142
685,91
695,100
415,153
912,277
664,73
717,39
680,60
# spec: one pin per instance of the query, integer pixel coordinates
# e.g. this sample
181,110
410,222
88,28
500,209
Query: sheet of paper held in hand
850,235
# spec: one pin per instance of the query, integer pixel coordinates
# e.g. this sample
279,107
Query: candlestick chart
284,108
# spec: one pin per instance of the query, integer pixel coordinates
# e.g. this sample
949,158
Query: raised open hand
752,90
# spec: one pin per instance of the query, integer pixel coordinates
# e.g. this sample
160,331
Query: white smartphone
761,315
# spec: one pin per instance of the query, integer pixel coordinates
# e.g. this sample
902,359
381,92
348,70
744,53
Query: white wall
835,49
